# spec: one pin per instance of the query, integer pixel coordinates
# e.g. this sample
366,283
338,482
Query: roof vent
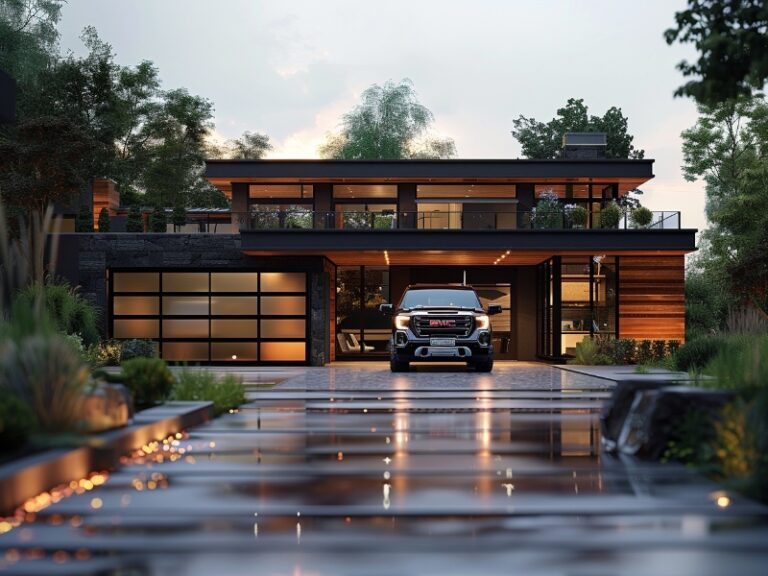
584,145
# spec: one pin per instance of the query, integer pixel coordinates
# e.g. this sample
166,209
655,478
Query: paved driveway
350,470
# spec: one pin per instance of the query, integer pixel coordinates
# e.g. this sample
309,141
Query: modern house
295,272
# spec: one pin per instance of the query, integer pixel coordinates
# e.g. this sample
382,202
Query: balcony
301,219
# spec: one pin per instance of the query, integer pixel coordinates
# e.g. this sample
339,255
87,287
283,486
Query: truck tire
396,365
483,365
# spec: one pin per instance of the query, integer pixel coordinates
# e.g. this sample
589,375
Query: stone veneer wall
85,258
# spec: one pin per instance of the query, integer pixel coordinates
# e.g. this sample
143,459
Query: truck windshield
440,297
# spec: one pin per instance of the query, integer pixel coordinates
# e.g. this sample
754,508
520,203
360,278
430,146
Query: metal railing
441,220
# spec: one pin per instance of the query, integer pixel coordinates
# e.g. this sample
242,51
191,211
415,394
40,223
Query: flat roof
628,173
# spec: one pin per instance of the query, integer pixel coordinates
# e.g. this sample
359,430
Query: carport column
240,194
318,303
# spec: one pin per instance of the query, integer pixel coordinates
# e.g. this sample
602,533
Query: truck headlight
483,322
402,322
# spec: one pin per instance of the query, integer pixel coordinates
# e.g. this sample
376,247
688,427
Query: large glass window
360,327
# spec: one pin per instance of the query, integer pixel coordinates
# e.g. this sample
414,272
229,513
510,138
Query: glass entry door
360,328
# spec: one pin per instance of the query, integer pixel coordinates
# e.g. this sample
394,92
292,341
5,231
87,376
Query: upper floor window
467,191
271,191
367,191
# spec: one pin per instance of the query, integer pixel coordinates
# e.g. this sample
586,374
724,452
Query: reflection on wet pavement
351,470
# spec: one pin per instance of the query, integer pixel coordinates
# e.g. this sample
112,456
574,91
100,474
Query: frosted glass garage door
214,316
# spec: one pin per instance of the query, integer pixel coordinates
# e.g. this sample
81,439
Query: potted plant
610,215
641,217
577,214
548,212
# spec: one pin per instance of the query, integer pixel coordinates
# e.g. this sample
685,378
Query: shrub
705,305
84,220
738,363
158,222
644,352
104,220
179,216
226,393
135,221
672,347
658,350
17,422
641,217
610,215
48,374
624,351
577,214
149,379
696,354
586,350
746,321
137,349
548,212
107,353
69,312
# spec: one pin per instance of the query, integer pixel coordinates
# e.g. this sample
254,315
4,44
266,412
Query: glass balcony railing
299,219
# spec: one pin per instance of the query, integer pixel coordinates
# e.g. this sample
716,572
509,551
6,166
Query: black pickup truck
440,323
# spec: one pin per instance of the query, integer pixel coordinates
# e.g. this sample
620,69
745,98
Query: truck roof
440,286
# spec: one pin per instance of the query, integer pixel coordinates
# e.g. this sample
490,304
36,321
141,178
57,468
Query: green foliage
733,53
643,352
624,351
226,393
586,350
548,213
134,222
705,304
578,215
48,374
728,149
388,124
67,309
158,222
103,222
107,353
641,217
693,442
658,350
28,37
696,354
84,220
541,140
17,422
610,215
179,216
739,363
250,146
149,379
138,349
672,347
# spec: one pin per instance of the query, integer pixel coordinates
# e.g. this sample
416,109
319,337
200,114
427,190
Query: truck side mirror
385,308
494,309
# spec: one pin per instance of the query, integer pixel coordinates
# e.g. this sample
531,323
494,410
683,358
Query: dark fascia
426,169
518,240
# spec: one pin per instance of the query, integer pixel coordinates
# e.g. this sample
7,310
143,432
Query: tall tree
28,37
389,123
728,148
250,146
545,140
731,37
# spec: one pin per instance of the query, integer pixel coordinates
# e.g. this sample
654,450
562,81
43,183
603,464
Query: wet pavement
351,470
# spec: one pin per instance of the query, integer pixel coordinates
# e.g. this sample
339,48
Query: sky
291,69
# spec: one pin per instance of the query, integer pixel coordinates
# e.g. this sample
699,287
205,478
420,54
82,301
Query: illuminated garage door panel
253,317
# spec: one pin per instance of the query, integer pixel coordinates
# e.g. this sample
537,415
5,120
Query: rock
107,406
655,414
616,409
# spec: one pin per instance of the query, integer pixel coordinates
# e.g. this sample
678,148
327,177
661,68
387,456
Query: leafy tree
104,220
179,216
42,163
250,146
728,148
28,37
545,140
84,220
158,222
731,37
389,123
135,221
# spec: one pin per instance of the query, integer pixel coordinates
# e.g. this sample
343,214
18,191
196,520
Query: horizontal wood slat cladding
652,297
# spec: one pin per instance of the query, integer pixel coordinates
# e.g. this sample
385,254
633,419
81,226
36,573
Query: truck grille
457,326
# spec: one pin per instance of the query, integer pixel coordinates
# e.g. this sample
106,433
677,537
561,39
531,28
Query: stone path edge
29,476
624,373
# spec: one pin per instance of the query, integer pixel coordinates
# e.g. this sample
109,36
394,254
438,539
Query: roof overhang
628,173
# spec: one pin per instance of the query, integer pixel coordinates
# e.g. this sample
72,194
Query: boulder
106,406
616,409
